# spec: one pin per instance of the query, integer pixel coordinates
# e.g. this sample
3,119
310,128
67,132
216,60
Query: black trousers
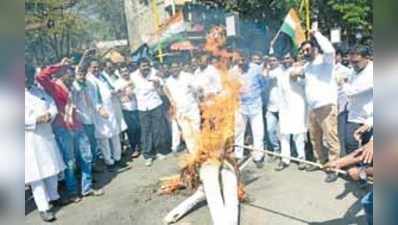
154,132
133,128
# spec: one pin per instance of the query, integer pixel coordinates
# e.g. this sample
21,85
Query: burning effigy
211,171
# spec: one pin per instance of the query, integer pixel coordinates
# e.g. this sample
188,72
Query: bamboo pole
157,24
339,171
307,17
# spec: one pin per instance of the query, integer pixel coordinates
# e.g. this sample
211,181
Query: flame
216,139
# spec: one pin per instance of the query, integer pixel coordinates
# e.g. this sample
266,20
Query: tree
61,27
350,15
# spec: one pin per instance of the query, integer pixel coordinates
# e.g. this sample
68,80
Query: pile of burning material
211,171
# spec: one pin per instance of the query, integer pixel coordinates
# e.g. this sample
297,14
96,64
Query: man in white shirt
179,89
124,88
106,125
272,72
250,108
321,96
359,90
292,115
43,160
342,74
147,89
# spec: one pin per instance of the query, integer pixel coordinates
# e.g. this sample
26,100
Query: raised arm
326,47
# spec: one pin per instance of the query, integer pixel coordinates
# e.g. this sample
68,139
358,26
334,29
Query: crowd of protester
79,115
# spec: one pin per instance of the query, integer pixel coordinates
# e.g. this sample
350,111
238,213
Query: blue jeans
89,129
85,159
367,203
71,143
272,122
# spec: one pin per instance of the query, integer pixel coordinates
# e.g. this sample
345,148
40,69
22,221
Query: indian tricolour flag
292,27
169,30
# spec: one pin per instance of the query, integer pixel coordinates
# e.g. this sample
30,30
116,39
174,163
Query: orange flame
216,139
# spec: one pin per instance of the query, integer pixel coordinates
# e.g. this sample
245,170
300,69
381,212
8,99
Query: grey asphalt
289,197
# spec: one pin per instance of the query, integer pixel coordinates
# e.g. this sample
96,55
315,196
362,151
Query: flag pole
157,23
307,17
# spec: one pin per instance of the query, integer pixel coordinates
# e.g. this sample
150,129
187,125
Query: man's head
124,73
338,58
144,65
174,69
256,58
68,77
109,67
359,57
81,75
273,61
288,60
243,62
309,49
193,65
94,67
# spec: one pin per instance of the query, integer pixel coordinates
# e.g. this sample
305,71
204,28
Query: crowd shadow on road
350,216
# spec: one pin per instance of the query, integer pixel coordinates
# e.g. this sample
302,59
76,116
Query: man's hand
44,118
65,62
354,173
367,155
360,131
103,113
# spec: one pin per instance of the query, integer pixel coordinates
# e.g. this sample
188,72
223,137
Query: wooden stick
339,171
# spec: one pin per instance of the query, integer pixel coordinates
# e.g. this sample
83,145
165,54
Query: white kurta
104,127
293,117
117,105
42,156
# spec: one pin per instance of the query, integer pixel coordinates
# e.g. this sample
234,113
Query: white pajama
257,125
45,191
111,149
298,140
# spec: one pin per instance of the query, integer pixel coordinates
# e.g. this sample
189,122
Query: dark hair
292,55
364,51
143,60
311,42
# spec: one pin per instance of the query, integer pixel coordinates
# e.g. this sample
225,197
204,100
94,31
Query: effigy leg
230,192
178,212
209,175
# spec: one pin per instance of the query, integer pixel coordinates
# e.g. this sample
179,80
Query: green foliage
76,25
348,14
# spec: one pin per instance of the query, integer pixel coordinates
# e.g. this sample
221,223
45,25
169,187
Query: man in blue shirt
250,108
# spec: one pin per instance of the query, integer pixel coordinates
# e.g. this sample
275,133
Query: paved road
290,197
